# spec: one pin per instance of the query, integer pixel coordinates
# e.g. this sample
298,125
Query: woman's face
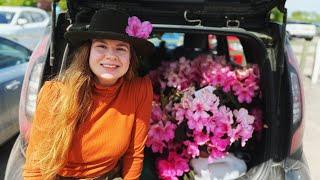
109,60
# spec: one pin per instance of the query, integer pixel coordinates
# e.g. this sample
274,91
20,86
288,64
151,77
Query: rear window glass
174,43
6,17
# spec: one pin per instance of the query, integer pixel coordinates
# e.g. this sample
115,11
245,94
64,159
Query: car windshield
6,17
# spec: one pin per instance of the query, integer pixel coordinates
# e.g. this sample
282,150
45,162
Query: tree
304,16
18,2
276,15
63,4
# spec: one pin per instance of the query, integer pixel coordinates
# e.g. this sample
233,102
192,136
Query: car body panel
13,64
30,33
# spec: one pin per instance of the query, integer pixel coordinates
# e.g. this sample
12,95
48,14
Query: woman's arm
40,124
133,159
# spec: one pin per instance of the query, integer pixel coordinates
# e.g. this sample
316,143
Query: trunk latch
234,23
191,20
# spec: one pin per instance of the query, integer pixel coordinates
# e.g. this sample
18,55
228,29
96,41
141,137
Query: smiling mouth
111,66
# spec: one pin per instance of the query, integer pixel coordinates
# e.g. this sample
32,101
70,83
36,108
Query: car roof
20,8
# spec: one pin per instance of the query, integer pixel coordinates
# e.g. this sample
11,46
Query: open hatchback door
216,13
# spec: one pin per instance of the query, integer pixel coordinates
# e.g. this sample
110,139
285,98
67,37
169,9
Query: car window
37,17
27,16
6,17
12,54
172,40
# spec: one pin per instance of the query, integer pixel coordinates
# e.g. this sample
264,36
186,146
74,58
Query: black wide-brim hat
108,24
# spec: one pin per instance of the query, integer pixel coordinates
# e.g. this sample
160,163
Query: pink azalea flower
156,132
210,124
218,78
219,143
245,124
166,170
172,167
215,154
173,81
157,146
186,100
200,138
234,133
258,122
194,124
255,71
192,149
229,81
168,131
244,94
223,120
246,133
137,29
180,114
199,106
243,116
242,74
157,113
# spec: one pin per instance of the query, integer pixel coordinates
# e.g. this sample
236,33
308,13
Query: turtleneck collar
100,90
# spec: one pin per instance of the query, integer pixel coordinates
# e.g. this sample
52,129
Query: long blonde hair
72,105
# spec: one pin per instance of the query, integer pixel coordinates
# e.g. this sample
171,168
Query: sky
303,5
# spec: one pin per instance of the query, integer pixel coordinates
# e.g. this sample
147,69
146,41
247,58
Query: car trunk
236,19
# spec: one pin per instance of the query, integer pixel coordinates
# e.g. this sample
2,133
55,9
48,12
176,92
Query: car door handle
13,85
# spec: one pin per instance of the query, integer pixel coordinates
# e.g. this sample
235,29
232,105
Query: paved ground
305,53
312,128
4,154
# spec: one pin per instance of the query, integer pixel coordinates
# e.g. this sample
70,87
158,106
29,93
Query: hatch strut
53,26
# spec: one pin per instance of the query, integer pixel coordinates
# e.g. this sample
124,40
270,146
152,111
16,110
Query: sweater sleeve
133,158
39,125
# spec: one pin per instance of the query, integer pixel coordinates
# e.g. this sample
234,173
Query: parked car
13,64
25,25
279,155
301,30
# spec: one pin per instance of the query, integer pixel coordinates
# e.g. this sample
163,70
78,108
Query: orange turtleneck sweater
116,128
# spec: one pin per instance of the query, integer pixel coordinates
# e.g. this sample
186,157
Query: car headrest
196,41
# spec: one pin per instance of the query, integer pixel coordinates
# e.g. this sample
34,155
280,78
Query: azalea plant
201,107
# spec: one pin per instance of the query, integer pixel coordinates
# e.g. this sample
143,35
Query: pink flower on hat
138,29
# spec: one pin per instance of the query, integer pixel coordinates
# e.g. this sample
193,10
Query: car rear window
172,41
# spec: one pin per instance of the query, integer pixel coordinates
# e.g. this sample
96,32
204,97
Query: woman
94,118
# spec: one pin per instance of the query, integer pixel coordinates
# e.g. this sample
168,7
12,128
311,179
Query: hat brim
142,47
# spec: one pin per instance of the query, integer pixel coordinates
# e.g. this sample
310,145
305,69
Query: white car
25,25
301,30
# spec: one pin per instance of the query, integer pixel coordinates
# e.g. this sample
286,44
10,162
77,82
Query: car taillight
31,84
297,102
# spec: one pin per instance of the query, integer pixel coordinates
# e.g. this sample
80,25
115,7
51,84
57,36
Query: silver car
25,25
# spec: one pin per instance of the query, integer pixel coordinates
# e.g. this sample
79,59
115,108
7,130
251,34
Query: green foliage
276,15
305,16
18,2
63,4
